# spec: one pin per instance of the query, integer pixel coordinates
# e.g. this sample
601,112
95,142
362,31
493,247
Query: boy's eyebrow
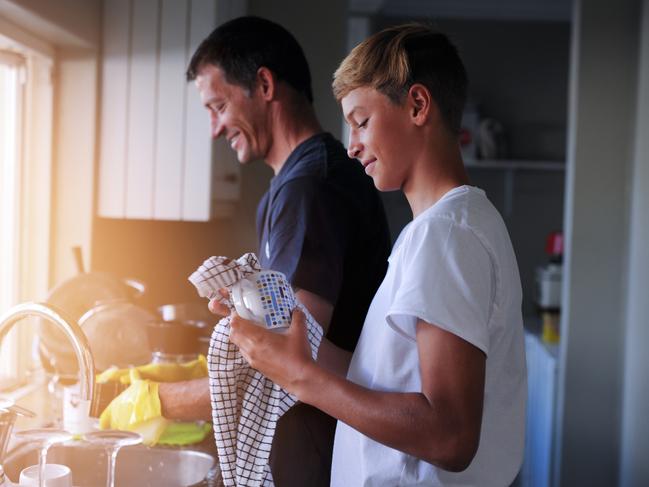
348,116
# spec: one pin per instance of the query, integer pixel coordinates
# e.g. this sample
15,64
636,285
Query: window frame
28,253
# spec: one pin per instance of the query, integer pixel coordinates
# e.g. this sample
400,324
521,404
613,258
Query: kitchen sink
136,466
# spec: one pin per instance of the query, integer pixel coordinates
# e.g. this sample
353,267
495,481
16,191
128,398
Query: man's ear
421,104
266,83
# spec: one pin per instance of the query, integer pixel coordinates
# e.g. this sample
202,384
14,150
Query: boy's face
379,131
234,114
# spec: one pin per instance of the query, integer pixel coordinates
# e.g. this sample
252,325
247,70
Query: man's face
234,114
378,135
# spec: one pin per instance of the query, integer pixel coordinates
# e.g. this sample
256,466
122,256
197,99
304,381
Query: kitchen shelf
509,167
525,165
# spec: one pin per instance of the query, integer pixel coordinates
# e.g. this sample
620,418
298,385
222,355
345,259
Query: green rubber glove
180,434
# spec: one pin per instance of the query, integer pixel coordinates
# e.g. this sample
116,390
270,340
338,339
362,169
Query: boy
435,391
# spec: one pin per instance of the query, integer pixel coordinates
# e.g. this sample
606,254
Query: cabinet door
157,158
114,90
197,180
170,147
142,107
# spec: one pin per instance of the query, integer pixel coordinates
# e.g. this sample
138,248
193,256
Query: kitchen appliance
191,324
117,333
76,296
174,341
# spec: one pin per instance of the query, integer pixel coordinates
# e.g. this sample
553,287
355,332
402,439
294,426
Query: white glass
44,438
112,441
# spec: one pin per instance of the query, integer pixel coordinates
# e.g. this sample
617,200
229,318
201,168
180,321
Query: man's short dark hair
243,45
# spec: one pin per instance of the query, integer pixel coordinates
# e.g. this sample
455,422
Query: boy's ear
421,103
266,83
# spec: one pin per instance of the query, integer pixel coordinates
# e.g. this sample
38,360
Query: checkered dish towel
245,405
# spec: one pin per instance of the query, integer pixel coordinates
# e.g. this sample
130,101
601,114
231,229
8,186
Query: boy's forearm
333,358
405,421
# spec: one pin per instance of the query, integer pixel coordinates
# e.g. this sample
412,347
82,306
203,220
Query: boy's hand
282,357
217,307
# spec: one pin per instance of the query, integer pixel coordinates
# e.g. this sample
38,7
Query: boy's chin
384,186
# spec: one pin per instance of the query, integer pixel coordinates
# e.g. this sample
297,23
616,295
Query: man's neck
289,129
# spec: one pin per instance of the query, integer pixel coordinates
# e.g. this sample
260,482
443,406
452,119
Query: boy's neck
439,169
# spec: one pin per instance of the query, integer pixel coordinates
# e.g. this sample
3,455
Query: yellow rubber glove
136,409
165,372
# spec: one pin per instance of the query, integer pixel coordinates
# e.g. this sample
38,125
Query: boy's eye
363,124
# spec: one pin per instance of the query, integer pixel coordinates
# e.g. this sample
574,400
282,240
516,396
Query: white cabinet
157,159
541,408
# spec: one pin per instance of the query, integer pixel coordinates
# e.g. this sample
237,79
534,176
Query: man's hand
282,357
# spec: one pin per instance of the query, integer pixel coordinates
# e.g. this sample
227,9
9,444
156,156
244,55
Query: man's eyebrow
212,100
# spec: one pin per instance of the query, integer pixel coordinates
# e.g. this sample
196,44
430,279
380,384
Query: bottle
549,281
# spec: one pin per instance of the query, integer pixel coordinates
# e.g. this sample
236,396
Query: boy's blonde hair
394,59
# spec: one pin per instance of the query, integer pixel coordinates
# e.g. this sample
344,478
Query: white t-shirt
452,266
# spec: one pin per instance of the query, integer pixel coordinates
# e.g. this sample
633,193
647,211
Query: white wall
321,30
75,134
635,424
601,133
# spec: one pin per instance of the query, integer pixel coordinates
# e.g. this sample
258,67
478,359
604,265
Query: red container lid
554,244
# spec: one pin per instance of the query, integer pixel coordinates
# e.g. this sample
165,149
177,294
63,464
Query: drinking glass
44,438
112,441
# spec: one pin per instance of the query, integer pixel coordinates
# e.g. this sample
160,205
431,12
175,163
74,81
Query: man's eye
363,124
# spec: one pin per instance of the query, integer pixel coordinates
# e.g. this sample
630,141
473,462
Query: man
435,393
321,222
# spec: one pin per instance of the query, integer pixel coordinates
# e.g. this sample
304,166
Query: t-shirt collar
293,158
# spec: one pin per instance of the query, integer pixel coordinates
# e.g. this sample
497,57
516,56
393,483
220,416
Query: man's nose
217,127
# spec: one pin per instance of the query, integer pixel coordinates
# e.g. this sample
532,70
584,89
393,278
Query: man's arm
190,400
186,401
319,307
440,424
331,357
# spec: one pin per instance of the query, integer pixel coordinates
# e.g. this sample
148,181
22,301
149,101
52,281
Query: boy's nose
354,149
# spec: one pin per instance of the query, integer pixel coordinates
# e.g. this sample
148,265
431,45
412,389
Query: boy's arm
440,424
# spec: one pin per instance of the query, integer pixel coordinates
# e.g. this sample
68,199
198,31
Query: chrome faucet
70,329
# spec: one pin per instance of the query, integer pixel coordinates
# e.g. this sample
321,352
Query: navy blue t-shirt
322,224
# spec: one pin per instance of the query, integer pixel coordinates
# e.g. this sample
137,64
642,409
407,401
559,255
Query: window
25,192
11,109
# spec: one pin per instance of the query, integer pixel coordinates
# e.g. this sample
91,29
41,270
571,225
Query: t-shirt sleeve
447,279
308,235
